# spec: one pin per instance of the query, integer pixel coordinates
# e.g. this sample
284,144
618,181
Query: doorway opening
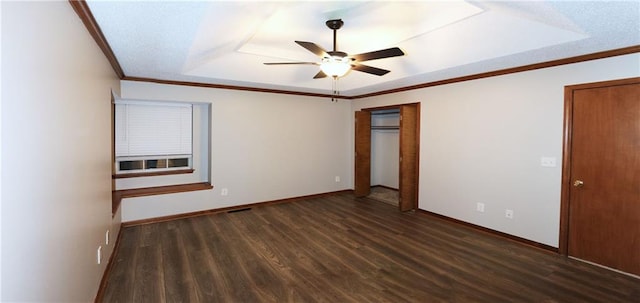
385,156
386,150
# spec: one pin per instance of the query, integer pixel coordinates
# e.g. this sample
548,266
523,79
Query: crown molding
513,70
82,9
232,87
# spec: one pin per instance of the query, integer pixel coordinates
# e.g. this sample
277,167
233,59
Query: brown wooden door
362,177
408,183
604,178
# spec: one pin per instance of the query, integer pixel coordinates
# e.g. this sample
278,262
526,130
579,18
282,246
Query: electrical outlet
508,214
337,179
224,192
106,238
99,255
548,162
480,207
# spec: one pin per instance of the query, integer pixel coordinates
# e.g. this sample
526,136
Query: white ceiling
227,42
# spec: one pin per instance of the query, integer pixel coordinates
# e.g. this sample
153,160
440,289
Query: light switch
548,161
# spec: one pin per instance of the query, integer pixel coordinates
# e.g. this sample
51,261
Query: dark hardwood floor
343,249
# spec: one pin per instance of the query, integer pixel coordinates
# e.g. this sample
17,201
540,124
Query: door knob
578,183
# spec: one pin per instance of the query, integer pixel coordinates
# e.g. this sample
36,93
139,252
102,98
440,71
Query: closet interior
385,156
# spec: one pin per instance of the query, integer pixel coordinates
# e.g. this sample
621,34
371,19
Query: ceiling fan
336,63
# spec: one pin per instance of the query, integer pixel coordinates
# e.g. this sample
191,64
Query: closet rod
385,113
385,127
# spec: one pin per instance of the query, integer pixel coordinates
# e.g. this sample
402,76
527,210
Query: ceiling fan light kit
337,64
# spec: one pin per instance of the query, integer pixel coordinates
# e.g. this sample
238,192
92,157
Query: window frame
144,170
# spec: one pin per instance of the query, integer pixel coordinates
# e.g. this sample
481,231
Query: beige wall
264,147
56,155
482,140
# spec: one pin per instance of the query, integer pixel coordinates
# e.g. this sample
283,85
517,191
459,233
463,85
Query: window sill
151,174
118,195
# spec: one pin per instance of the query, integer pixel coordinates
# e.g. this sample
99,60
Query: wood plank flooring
344,249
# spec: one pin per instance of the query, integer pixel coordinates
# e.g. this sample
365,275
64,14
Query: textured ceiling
227,43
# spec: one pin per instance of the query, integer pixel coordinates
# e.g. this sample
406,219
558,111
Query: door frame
417,144
565,189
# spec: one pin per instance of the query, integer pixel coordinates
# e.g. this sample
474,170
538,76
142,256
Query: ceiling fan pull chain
335,88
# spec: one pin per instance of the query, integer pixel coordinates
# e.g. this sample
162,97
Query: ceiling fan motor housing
337,54
334,24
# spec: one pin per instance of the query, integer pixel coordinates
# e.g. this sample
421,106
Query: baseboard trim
500,234
105,275
227,209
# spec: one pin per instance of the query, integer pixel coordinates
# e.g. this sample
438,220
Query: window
152,136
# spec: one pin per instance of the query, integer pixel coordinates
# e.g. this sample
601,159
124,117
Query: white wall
264,147
56,154
481,141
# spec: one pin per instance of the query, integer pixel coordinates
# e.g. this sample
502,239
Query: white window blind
153,129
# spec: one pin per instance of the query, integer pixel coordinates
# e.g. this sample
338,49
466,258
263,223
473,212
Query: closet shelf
386,127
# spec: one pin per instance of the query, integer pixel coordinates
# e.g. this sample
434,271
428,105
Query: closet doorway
385,123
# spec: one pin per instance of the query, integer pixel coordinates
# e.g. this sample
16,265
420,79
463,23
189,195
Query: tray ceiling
218,42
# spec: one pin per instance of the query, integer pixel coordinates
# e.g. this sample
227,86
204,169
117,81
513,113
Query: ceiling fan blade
314,48
379,54
369,69
319,75
291,63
